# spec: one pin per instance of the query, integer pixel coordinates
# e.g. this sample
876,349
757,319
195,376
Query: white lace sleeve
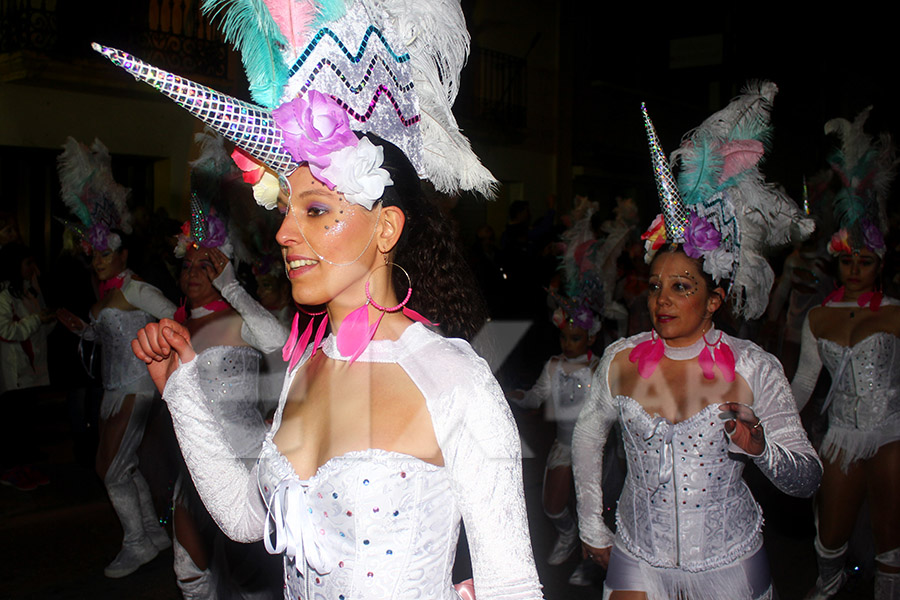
261,329
808,368
229,491
148,298
789,460
540,391
480,445
591,430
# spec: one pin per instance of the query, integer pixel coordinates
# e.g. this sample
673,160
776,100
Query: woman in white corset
855,335
694,404
126,304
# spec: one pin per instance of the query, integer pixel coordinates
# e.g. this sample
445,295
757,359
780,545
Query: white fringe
848,445
673,584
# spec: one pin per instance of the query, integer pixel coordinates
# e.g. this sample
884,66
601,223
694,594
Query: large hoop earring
400,306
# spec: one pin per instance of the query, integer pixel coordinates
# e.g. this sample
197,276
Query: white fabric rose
718,263
356,172
265,191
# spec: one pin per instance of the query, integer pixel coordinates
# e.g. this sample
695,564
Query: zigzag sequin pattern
251,127
369,75
354,59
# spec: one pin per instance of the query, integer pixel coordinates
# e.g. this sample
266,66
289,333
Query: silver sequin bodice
229,379
115,329
865,392
684,504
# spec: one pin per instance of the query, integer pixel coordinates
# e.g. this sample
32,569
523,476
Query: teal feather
848,208
329,10
700,171
249,26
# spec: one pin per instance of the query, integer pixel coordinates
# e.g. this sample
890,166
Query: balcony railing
171,34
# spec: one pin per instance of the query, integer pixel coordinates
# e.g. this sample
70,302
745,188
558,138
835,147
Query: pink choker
872,300
181,314
648,353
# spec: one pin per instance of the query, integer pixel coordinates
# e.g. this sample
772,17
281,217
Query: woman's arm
228,490
481,450
539,392
261,329
808,368
148,298
591,430
788,459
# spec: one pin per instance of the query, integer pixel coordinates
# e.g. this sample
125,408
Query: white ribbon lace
290,519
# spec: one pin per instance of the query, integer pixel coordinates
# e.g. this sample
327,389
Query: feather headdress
734,216
89,191
865,169
391,67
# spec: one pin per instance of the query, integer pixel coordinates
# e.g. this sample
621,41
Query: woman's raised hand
217,263
163,346
743,427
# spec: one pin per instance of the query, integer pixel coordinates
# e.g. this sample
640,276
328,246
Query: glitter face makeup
679,313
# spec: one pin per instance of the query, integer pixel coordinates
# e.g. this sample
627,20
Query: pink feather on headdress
294,18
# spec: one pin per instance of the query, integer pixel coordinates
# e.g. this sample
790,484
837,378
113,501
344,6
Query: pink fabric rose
314,126
700,236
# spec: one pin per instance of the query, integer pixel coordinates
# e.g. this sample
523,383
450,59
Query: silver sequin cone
674,212
250,127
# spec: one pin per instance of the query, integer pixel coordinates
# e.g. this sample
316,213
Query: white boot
887,585
137,549
194,583
831,572
567,540
150,521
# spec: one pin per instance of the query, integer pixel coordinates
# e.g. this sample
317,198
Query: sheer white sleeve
540,391
591,430
480,445
228,489
261,329
789,460
148,298
808,368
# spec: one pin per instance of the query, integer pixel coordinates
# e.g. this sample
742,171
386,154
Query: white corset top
371,524
866,370
115,329
684,503
229,379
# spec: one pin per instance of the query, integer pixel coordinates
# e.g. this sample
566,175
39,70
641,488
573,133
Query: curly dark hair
444,288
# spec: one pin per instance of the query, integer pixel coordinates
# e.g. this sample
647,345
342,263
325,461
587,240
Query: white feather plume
434,33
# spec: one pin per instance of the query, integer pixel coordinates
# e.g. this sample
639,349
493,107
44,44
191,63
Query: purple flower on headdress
314,126
216,233
700,236
98,237
872,237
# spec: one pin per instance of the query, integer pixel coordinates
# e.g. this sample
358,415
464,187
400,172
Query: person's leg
837,504
120,436
883,482
557,483
191,563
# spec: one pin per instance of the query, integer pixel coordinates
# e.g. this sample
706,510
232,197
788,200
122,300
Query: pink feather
292,339
706,363
370,333
416,316
320,333
354,331
725,361
293,18
738,156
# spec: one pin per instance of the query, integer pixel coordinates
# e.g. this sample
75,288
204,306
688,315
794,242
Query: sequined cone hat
391,66
672,208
